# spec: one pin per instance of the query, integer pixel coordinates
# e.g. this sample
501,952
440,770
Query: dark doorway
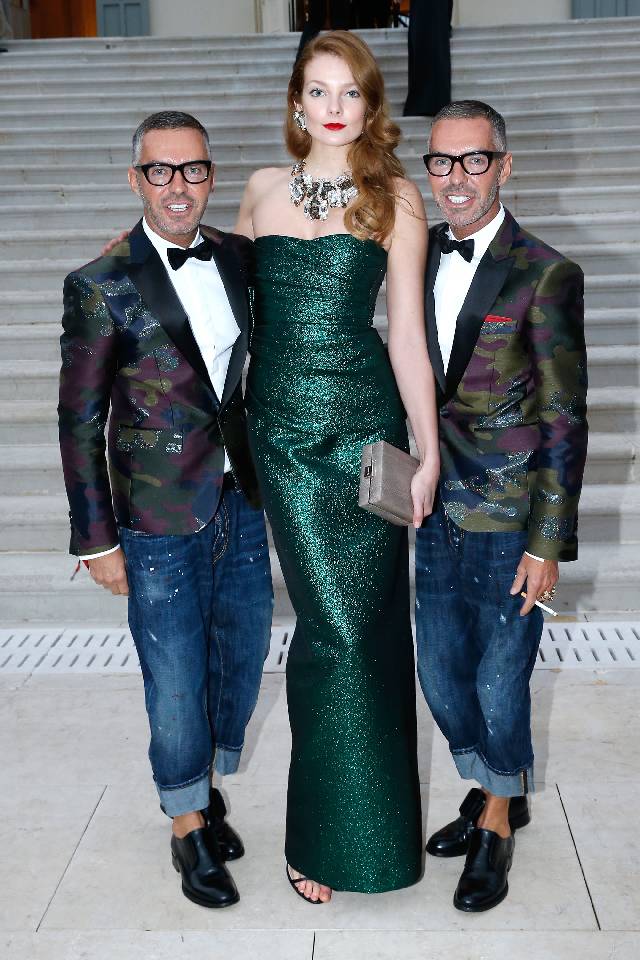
63,18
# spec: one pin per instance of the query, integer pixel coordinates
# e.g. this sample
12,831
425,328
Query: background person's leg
314,23
6,30
429,58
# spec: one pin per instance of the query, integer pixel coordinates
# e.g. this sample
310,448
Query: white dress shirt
201,292
453,280
452,284
200,289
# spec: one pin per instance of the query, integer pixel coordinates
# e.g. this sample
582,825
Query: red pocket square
491,319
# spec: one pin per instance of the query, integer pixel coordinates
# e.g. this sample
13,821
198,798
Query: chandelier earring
300,119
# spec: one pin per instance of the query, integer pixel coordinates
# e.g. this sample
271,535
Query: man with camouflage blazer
154,341
504,315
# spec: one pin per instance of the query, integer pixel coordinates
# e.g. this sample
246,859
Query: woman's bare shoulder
267,178
409,197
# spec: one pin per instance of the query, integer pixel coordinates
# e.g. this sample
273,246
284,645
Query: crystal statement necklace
318,196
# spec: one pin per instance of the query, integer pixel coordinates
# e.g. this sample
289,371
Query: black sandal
294,885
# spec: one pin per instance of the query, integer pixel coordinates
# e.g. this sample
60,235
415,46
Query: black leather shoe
483,883
453,840
230,845
205,879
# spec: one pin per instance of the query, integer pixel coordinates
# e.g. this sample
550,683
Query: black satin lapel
152,282
235,285
483,292
236,366
433,344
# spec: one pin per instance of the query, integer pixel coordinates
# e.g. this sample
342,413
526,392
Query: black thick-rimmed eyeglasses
161,174
475,162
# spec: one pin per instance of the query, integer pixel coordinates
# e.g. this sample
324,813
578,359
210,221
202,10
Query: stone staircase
571,95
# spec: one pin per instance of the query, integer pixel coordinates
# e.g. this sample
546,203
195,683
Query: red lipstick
335,126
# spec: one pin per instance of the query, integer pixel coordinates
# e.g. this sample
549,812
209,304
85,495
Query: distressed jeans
475,652
200,611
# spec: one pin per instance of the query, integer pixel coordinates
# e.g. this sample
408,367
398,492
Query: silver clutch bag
385,482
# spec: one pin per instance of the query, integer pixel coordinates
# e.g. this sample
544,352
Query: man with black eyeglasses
154,340
504,314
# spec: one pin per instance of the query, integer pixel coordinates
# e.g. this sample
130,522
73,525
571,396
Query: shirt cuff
105,553
533,556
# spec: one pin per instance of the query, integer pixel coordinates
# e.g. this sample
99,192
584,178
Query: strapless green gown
320,386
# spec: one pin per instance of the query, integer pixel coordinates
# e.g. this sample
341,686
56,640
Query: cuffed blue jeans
200,611
475,652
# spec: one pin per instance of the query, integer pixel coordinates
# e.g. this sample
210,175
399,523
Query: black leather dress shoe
483,883
230,845
453,840
205,879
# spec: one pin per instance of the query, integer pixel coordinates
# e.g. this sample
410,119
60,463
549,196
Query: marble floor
87,874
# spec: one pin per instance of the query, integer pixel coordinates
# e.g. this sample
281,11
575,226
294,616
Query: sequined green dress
320,386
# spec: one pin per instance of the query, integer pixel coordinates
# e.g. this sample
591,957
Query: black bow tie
177,256
464,247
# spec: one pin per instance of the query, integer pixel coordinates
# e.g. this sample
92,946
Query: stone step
558,32
241,70
36,335
614,366
78,246
124,207
268,151
562,31
560,230
548,122
37,586
609,513
37,342
230,63
613,458
102,189
614,410
612,291
40,274
513,104
534,39
35,469
577,89
37,319
604,326
24,380
31,423
109,166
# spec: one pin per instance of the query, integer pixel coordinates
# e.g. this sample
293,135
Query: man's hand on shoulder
113,243
110,572
539,576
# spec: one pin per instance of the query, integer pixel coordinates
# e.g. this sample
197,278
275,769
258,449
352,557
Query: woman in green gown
320,386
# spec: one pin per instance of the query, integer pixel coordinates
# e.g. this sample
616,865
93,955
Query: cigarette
542,606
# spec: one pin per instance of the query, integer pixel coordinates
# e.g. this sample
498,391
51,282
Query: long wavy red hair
372,156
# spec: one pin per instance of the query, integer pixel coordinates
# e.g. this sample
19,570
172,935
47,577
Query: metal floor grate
40,651
590,646
24,650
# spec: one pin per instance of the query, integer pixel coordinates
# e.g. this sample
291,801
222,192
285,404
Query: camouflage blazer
513,429
129,357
